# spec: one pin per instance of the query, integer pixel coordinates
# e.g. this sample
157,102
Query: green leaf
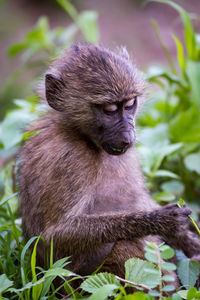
58,272
163,151
13,125
174,187
183,294
5,200
61,262
168,278
185,127
168,288
51,274
180,52
151,159
69,8
46,286
26,247
17,48
169,149
154,293
193,73
151,257
154,137
104,292
25,104
188,271
170,78
192,162
191,294
135,296
176,297
168,266
163,246
163,197
68,34
164,47
188,28
87,21
28,286
27,135
34,48
150,249
36,290
94,282
181,202
167,253
33,260
39,33
152,244
165,173
5,283
141,271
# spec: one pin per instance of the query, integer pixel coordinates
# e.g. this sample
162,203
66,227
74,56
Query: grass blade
164,47
180,53
36,290
189,33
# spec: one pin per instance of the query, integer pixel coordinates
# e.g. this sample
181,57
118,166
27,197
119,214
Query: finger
171,205
187,211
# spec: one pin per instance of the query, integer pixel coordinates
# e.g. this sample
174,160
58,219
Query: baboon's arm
88,230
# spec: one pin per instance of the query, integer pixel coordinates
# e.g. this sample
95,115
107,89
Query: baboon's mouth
114,150
119,150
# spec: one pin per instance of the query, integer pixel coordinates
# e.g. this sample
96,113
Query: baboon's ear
53,87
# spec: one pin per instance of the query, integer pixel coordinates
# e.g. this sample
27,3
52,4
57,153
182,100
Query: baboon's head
97,91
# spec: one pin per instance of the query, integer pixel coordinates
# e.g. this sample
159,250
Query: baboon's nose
127,139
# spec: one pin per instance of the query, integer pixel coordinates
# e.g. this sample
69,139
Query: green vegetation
169,146
170,125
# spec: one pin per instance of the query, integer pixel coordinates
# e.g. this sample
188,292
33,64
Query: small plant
157,254
148,276
42,43
39,286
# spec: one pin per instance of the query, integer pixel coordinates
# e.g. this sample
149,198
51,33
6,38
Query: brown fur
94,205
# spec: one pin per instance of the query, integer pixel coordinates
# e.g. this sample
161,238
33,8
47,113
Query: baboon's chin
114,150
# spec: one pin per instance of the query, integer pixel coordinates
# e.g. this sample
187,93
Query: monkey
80,180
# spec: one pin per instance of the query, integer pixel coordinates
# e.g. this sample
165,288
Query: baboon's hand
172,221
190,244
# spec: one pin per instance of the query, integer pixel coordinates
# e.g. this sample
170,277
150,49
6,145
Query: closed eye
130,103
110,108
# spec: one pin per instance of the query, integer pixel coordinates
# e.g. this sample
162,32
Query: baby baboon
80,180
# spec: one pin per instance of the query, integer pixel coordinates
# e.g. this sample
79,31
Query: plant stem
160,272
192,221
133,283
195,225
164,47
